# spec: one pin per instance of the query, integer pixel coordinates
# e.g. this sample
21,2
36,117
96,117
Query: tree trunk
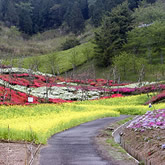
161,57
149,55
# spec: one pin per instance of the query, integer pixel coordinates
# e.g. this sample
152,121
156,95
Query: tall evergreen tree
96,12
25,20
74,18
84,9
113,34
102,7
133,4
11,15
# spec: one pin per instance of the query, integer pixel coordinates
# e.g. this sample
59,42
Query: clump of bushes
70,43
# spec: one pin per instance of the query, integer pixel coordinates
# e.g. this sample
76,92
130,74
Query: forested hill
33,16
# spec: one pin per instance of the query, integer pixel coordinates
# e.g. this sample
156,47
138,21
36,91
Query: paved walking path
75,146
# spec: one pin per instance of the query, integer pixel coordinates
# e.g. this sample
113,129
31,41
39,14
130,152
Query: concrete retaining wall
118,139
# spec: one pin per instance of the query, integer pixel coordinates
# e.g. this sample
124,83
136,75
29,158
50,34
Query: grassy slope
12,43
20,52
154,72
64,59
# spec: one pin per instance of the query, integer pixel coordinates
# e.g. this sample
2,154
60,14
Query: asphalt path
76,145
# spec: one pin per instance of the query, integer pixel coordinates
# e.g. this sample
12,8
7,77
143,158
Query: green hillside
60,61
125,49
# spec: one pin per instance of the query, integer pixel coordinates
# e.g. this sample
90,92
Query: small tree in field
73,61
53,64
35,63
127,63
87,53
70,43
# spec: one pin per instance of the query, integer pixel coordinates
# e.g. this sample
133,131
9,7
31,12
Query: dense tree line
32,16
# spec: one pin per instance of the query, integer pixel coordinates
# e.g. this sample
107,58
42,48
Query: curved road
75,146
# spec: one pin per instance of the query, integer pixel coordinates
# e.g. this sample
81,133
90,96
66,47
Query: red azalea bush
12,97
35,81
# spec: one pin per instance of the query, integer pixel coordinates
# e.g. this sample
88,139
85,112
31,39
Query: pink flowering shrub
145,89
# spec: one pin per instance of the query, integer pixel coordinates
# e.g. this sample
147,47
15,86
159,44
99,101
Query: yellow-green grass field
39,122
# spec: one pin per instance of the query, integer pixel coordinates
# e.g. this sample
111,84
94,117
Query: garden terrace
51,88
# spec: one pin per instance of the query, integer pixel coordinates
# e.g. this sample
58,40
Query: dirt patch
111,151
147,144
15,153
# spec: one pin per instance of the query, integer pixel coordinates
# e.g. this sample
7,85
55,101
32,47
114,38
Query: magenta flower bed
157,98
112,96
150,120
146,89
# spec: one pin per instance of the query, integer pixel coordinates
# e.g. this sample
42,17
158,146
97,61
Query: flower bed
152,119
57,89
144,137
145,89
157,98
39,122
12,97
35,81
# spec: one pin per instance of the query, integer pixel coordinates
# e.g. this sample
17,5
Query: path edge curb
117,135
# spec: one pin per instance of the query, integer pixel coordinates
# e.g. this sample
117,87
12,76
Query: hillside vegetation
33,16
43,51
14,44
60,61
127,45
